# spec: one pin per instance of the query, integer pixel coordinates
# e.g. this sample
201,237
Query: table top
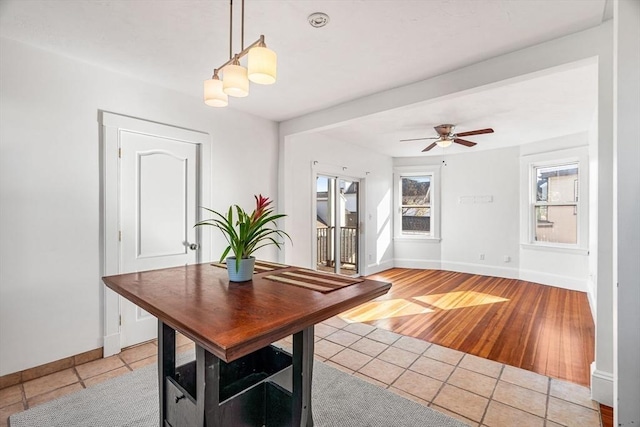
231,320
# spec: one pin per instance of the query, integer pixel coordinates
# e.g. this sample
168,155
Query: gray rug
338,399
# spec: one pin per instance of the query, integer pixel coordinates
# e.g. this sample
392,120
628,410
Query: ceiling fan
447,137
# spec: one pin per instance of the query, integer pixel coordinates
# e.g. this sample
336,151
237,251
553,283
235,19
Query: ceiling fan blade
417,139
464,142
475,132
429,147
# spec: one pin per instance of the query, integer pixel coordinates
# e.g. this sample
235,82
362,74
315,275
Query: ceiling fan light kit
261,69
444,142
448,137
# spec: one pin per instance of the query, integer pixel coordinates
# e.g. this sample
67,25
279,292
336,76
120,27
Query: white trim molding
482,270
379,267
601,386
425,264
556,280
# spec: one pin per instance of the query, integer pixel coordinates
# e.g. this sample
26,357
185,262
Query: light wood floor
540,328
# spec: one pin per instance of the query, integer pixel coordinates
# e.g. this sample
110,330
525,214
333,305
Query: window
555,203
555,200
416,198
416,204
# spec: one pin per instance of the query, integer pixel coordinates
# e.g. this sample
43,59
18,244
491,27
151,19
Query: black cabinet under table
253,391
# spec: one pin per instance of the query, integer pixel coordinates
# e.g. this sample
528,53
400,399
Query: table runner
259,267
322,282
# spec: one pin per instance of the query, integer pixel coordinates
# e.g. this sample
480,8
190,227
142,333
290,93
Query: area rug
338,399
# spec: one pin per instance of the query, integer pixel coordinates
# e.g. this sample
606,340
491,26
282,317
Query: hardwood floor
540,328
607,415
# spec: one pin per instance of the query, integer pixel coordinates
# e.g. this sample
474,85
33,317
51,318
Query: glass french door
337,225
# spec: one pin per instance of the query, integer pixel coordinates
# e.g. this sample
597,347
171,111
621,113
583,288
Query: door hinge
119,153
120,320
119,236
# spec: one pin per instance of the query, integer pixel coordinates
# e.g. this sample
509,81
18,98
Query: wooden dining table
238,378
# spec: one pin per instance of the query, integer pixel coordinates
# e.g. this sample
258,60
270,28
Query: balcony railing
348,246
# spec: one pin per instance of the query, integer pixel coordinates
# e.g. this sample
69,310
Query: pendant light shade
213,93
262,65
234,80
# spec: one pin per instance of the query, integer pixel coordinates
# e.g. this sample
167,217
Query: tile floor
476,391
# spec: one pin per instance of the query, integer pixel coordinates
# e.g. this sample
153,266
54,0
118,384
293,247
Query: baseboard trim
556,280
482,270
50,368
601,386
424,264
378,267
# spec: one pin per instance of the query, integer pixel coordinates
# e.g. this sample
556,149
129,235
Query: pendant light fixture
261,69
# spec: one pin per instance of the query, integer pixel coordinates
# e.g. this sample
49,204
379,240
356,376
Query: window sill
417,239
551,248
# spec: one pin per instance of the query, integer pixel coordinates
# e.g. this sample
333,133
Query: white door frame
111,127
339,173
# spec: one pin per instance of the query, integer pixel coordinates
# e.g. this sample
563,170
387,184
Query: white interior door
158,202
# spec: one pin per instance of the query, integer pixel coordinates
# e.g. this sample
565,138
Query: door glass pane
349,222
557,224
337,223
325,217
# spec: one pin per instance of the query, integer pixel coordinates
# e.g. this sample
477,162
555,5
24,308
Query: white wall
627,152
336,157
567,268
492,229
471,229
50,287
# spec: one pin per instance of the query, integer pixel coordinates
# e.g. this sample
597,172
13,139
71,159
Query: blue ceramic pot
244,272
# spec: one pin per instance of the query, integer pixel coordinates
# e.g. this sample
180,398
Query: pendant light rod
230,29
242,28
259,42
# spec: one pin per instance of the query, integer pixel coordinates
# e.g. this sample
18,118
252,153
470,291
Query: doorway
337,225
151,186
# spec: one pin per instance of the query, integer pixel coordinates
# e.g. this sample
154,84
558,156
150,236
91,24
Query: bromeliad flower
261,205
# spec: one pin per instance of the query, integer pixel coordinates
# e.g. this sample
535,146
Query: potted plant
245,234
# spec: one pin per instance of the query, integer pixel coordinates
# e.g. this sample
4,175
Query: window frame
434,187
531,164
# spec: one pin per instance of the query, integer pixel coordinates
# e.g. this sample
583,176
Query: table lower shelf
255,390
267,388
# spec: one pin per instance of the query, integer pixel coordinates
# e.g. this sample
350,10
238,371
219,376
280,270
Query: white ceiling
543,107
368,46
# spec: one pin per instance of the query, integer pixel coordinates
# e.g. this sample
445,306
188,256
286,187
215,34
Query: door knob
194,246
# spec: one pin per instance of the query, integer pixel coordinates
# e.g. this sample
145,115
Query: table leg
166,362
207,388
302,377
